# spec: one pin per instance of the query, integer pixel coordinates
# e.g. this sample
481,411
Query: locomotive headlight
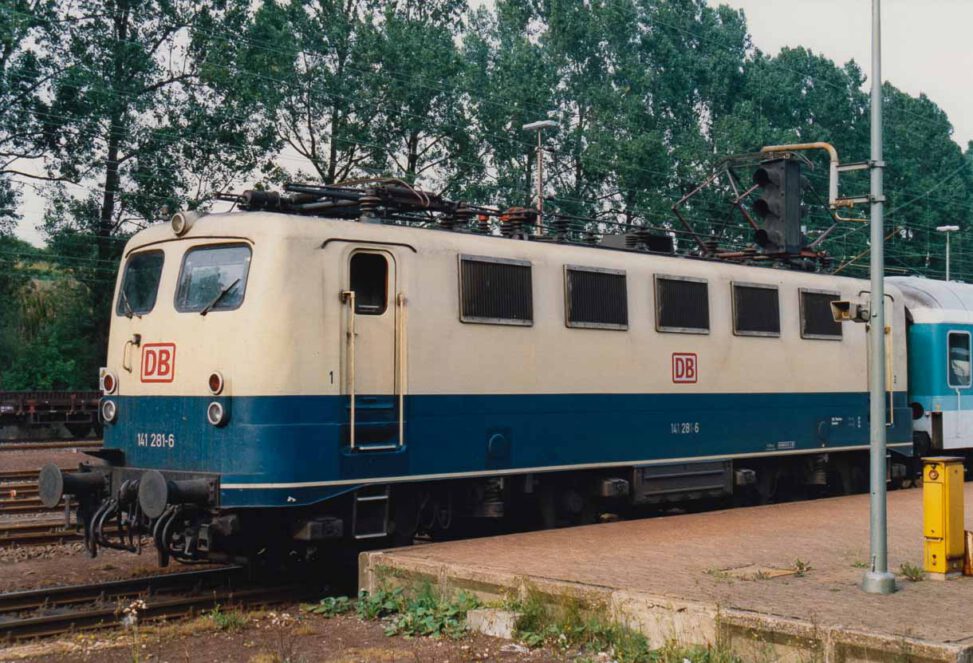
183,221
109,383
216,413
215,383
109,411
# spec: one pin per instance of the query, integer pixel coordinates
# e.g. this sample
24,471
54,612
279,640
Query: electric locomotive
295,377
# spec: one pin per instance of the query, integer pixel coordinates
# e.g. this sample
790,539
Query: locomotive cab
233,338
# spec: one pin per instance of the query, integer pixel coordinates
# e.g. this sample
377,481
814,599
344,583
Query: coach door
373,363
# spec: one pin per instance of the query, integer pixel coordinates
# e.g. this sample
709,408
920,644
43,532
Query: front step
376,423
370,512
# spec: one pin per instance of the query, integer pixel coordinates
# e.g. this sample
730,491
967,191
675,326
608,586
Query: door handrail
401,382
348,297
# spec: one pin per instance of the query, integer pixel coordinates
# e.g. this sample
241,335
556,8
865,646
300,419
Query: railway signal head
779,205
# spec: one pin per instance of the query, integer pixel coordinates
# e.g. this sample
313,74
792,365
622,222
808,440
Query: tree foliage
136,108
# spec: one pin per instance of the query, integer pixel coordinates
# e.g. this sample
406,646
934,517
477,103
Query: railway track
37,533
60,444
56,610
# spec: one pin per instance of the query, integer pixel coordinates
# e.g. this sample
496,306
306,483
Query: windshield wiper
218,298
129,311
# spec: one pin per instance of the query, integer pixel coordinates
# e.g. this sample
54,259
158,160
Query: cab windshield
140,285
213,278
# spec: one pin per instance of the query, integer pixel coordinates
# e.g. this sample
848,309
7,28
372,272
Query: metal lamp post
539,128
877,579
948,230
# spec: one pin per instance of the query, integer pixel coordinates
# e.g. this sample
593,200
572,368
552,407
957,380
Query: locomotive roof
932,301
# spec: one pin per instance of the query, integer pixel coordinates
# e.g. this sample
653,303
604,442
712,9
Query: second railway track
56,610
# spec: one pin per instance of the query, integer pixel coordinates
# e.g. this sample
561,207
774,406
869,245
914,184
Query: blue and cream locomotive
284,378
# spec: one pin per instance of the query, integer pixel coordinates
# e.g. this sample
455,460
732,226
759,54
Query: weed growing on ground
859,564
572,624
423,611
801,568
227,621
719,574
331,606
911,572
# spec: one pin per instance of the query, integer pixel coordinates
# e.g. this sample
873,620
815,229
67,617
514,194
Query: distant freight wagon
76,410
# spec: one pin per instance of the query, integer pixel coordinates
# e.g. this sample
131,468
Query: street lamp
947,230
539,128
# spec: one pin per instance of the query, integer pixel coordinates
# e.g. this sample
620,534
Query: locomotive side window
213,278
681,305
756,310
495,291
140,285
595,298
369,280
816,318
959,359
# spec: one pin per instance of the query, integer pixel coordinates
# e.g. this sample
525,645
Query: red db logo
158,362
684,367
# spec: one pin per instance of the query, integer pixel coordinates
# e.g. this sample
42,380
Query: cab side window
959,359
140,285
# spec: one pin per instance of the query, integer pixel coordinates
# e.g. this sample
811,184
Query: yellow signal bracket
942,511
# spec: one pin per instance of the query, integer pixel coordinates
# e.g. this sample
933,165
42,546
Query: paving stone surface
717,557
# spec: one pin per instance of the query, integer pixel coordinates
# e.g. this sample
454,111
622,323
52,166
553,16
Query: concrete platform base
676,579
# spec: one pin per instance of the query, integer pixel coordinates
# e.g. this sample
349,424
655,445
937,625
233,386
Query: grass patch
331,606
571,624
911,572
801,568
227,621
421,612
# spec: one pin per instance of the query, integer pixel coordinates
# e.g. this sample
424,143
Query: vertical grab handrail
890,372
400,387
348,296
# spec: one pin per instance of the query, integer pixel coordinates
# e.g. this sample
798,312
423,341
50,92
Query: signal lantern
779,205
109,383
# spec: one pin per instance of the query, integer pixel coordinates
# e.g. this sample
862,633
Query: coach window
369,280
817,321
140,285
959,359
213,278
756,310
496,291
595,298
681,305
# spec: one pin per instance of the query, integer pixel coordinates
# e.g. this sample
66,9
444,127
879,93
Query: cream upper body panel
288,337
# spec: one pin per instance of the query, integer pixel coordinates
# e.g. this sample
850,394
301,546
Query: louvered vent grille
817,321
682,305
495,291
756,311
597,298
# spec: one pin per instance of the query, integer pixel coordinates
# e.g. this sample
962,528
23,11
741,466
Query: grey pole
948,230
877,579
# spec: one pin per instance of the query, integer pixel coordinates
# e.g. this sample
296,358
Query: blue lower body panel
293,450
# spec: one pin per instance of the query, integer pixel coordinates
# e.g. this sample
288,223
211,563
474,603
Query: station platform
729,577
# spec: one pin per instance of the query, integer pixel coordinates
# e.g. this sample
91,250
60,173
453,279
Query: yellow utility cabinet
942,506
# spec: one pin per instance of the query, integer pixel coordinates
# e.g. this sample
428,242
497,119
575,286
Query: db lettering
158,362
685,368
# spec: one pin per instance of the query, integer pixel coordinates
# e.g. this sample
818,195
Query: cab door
371,353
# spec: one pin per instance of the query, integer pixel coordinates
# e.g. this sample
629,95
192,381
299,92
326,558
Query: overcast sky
927,47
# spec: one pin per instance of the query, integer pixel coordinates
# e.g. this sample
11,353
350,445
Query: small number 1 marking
331,373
